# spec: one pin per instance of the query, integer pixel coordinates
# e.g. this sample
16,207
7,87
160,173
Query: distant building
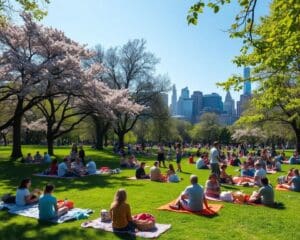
174,101
228,117
185,104
212,103
246,96
247,83
197,97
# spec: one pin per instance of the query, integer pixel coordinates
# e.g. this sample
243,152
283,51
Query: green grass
96,192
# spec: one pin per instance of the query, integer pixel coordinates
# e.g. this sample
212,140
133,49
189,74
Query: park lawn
96,192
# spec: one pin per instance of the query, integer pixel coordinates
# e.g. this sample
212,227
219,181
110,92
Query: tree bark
17,151
50,142
121,136
297,140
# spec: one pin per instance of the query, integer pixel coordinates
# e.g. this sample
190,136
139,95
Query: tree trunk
297,140
17,151
121,136
50,143
99,133
105,140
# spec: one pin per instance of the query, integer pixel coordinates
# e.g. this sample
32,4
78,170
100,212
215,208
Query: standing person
178,157
161,155
48,205
120,213
81,155
73,153
192,198
214,159
23,195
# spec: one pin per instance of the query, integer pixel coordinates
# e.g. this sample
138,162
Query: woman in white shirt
23,196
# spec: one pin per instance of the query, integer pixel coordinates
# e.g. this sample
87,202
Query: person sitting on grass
155,173
224,177
91,167
259,174
246,170
53,167
23,195
37,157
120,213
64,169
29,158
192,198
48,208
236,162
123,162
201,164
171,174
132,162
47,158
265,194
212,186
294,159
294,182
191,158
77,167
140,172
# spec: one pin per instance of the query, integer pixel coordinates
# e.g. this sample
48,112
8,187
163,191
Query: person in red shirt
53,167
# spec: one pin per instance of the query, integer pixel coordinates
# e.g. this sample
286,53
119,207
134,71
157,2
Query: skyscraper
185,93
228,106
212,103
174,101
197,98
247,83
165,99
185,104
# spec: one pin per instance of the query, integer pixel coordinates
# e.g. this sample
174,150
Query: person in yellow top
121,214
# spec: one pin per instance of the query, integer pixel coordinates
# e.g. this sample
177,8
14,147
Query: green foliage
30,6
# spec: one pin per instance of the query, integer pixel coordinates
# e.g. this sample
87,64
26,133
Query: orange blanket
214,209
279,188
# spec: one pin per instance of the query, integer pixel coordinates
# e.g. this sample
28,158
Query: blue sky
193,56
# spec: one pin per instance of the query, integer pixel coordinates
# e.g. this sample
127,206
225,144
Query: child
23,196
120,213
171,175
212,186
191,159
48,205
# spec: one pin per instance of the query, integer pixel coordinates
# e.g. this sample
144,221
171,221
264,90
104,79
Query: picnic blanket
55,176
279,188
214,209
234,202
32,211
134,178
271,171
107,226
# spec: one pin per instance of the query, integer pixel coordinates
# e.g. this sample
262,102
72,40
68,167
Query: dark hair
155,163
265,181
171,167
223,166
49,188
24,183
54,161
143,163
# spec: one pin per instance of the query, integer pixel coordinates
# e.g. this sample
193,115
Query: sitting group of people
155,173
291,181
48,207
37,158
130,162
67,168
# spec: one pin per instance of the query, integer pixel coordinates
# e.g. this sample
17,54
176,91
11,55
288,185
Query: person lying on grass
155,173
212,186
48,208
192,198
224,177
140,172
23,195
265,194
294,183
120,213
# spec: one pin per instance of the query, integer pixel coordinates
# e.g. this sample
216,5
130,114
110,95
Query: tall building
185,92
197,98
174,101
246,96
228,117
185,104
247,83
212,103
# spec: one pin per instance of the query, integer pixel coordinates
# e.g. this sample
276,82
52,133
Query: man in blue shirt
48,208
192,198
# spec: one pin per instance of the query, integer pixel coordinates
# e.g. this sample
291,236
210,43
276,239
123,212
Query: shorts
178,158
185,205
